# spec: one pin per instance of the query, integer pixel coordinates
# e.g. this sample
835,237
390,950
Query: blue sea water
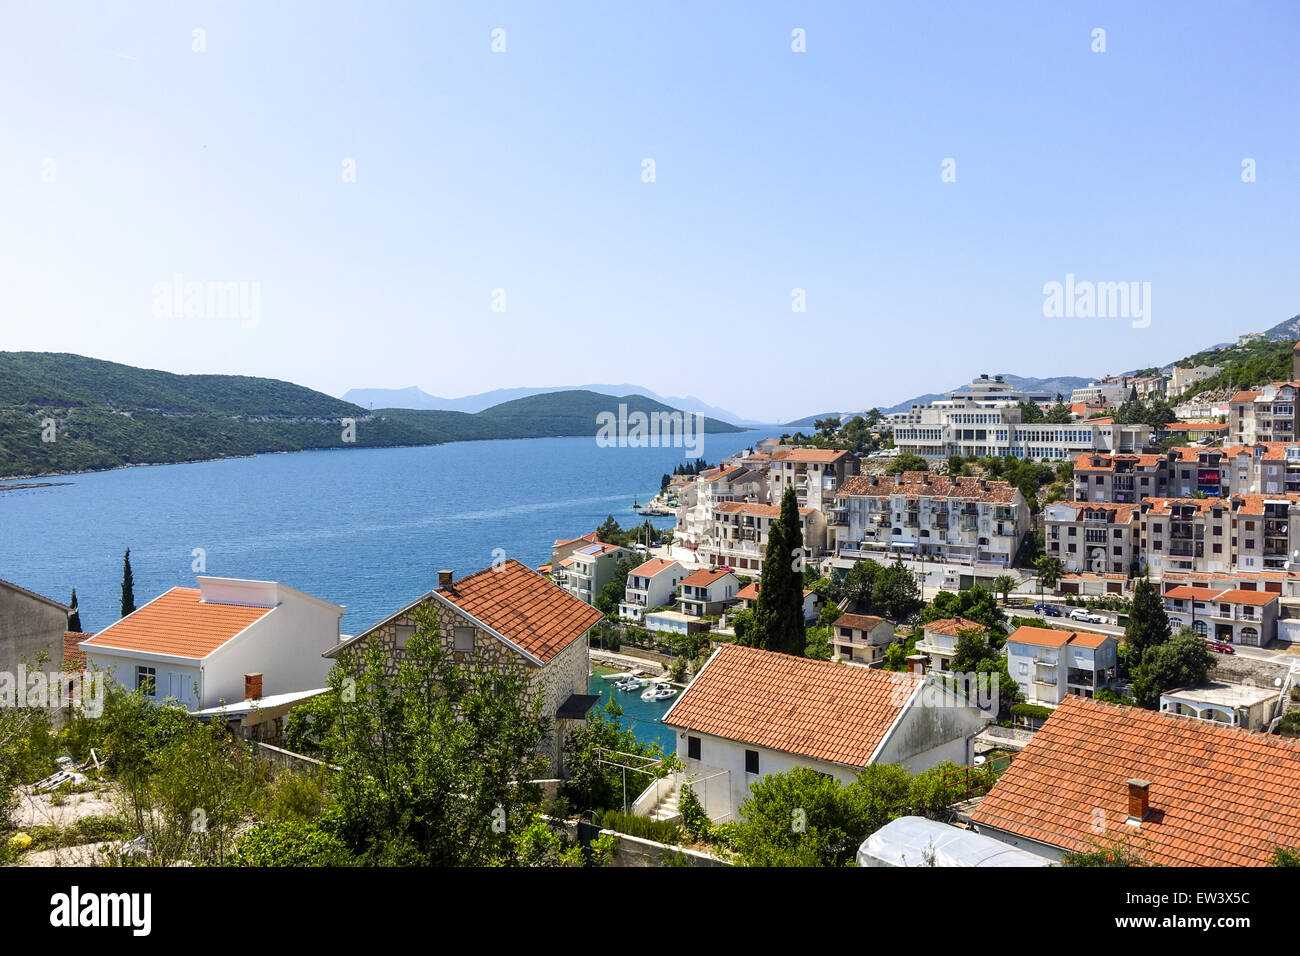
366,528
639,716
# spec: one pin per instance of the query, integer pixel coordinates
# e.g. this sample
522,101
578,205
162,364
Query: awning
576,707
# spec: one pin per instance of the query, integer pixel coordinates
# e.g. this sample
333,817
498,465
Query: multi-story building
1123,479
939,640
1264,414
1204,433
1186,534
1114,393
1194,471
1268,469
966,427
1149,386
861,638
590,568
944,518
1230,617
815,473
741,530
1049,663
1181,379
707,591
1092,536
649,585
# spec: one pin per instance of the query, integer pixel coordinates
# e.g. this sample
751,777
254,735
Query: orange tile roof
838,713
952,626
652,567
754,508
1040,636
1187,593
178,624
525,608
74,656
826,455
589,536
1257,598
704,577
1219,796
925,484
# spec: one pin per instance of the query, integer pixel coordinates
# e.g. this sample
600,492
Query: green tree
1004,584
1181,661
906,462
74,613
818,644
128,585
895,594
778,614
1049,571
1148,624
611,595
827,427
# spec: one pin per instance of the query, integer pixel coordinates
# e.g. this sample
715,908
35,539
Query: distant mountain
546,415
106,415
1286,331
413,397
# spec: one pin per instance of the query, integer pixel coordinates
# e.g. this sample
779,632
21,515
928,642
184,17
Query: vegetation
1182,660
778,623
1108,852
906,462
661,831
128,585
74,613
1242,366
593,785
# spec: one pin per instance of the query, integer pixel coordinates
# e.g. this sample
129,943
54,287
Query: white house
652,584
1048,664
707,591
751,712
223,641
861,638
939,640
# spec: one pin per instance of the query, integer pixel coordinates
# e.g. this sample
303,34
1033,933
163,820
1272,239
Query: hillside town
1025,619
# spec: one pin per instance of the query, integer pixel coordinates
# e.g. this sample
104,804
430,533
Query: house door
176,686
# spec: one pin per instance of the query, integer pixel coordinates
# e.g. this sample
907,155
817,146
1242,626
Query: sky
400,204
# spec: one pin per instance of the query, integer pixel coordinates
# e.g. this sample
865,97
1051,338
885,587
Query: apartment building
1186,534
1099,537
1230,617
1113,394
707,591
590,568
1149,386
1181,379
1285,584
1123,479
861,638
1048,663
1264,414
1270,468
966,427
652,584
815,473
939,640
1266,533
943,518
741,531
1192,471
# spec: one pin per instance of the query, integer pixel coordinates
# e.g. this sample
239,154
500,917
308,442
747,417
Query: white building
1237,705
652,584
1048,663
220,641
588,569
750,713
939,640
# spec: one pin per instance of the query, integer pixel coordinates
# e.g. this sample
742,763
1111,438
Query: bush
1290,723
661,831
1030,711
694,820
290,844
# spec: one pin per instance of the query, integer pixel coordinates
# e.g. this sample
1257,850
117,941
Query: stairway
667,809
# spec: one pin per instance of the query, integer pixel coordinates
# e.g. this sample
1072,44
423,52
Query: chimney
916,664
444,579
252,687
1139,800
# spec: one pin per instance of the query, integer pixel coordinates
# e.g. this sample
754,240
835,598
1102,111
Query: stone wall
31,632
635,851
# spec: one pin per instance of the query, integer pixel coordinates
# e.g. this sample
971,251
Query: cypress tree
128,585
779,614
1148,624
74,615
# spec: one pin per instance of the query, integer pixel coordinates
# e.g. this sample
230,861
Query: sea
365,528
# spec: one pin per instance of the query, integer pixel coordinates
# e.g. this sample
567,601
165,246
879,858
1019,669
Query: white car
1080,614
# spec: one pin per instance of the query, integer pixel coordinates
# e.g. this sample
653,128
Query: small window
404,634
146,680
751,761
464,640
692,748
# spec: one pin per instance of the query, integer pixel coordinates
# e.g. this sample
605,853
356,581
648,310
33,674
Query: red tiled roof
74,656
1219,796
754,508
1258,598
811,455
750,591
178,624
838,713
861,622
525,608
652,567
925,484
1187,593
704,577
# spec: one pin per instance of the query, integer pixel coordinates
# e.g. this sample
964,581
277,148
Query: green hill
108,415
1242,366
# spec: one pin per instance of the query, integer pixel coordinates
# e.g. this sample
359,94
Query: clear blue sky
522,171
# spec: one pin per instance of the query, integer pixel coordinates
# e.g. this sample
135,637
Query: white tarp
916,841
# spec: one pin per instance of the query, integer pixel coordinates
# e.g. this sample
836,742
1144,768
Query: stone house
499,618
31,629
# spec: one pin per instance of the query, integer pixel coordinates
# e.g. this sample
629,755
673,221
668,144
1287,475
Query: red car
1220,648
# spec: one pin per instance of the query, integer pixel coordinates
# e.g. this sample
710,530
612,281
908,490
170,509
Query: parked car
1048,610
1219,647
1082,614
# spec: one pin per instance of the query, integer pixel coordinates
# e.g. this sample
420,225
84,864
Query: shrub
290,844
661,831
694,820
1030,711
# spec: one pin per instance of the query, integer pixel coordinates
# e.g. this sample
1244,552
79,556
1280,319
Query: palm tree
1049,573
1004,584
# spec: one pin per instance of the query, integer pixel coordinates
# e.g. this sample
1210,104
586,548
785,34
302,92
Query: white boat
619,677
659,692
632,683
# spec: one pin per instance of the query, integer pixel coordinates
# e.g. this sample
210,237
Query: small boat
660,692
619,677
631,683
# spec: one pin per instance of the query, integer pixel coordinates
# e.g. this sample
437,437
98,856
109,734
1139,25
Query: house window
751,761
404,633
146,680
464,640
692,748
